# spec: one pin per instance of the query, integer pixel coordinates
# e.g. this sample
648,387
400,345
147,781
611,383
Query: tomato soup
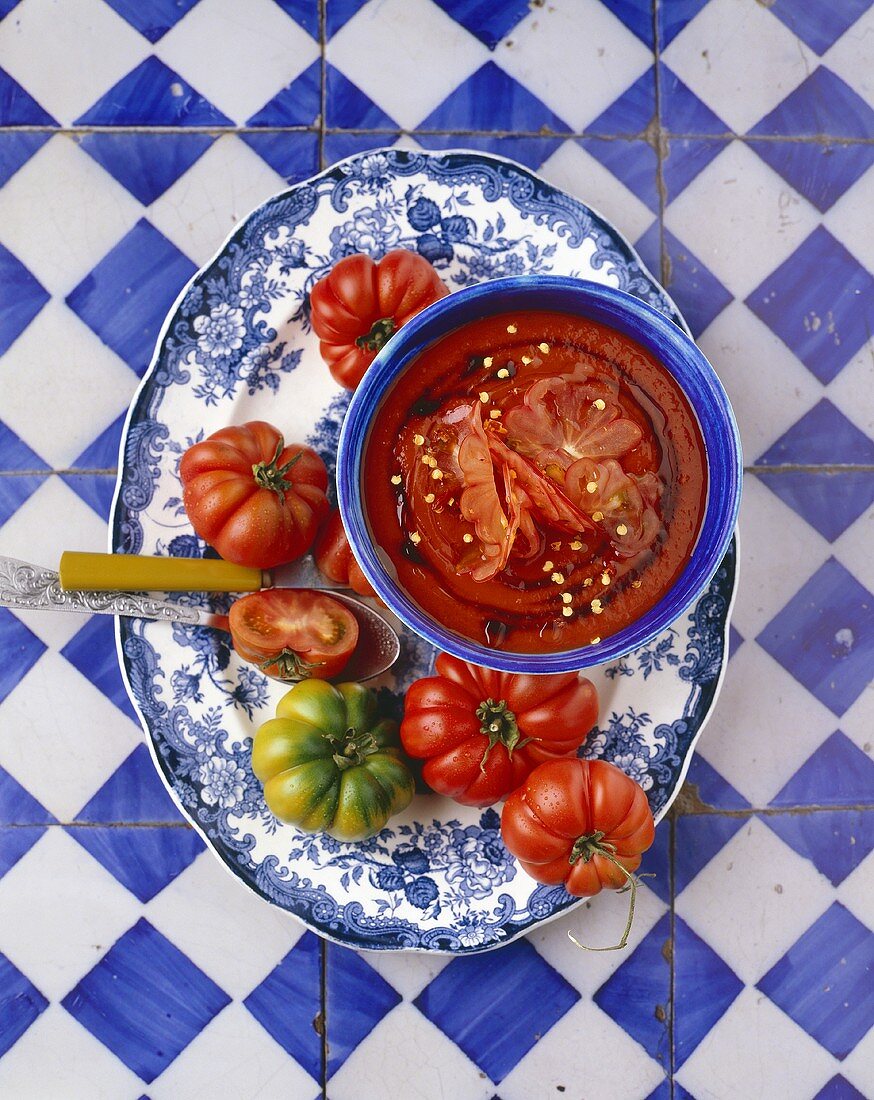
536,479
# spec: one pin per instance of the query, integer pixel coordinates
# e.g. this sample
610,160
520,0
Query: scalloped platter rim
235,345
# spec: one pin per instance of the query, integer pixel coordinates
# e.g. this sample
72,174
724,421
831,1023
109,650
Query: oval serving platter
237,346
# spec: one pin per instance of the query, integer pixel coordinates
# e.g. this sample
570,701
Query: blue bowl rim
621,311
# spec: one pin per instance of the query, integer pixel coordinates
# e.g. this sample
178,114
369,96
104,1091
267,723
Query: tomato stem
353,749
499,725
586,848
290,665
379,334
269,475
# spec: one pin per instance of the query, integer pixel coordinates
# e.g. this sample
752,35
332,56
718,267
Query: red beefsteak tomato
482,732
359,304
581,823
256,500
335,559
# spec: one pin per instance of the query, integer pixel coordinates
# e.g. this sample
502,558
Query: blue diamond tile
471,106
704,987
632,162
637,16
338,13
298,104
152,18
824,981
820,302
92,652
696,290
632,113
21,650
288,1001
18,107
152,95
830,501
839,1088
735,641
16,149
339,146
21,298
18,806
133,793
6,6
144,859
294,156
18,487
708,787
822,437
486,20
822,173
145,1000
698,838
102,454
128,294
15,842
674,16
357,999
637,995
684,159
835,841
304,12
348,107
530,151
837,774
682,111
495,1006
97,490
824,636
661,1092
656,865
146,163
819,23
20,1004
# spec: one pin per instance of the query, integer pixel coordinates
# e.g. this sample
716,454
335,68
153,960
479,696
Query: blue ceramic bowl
628,315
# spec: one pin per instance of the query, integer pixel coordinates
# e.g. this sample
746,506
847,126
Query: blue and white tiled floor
732,140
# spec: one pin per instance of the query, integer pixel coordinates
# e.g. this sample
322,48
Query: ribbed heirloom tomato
578,823
360,304
482,732
256,500
335,559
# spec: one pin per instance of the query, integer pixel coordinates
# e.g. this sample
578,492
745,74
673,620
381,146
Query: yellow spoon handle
131,573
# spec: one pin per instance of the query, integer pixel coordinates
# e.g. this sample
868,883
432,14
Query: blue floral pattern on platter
238,346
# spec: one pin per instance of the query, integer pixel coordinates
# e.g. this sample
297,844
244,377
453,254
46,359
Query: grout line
726,136
323,106
323,1000
672,924
660,146
95,824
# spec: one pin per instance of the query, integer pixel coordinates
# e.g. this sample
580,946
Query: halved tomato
293,634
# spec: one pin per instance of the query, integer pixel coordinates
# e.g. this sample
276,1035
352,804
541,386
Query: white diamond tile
233,1056
407,972
572,169
755,365
853,549
72,385
597,922
237,56
67,55
61,213
853,389
61,913
849,219
857,890
58,1059
430,55
755,1051
578,58
858,1066
767,527
62,751
740,60
779,894
224,906
856,723
422,1065
563,1059
740,218
763,727
28,535
850,57
199,211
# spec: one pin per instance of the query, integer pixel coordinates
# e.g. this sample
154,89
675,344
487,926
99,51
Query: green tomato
329,763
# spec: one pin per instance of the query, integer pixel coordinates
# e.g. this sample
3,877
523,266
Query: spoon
27,587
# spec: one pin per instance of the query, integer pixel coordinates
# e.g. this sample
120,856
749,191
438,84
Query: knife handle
133,573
